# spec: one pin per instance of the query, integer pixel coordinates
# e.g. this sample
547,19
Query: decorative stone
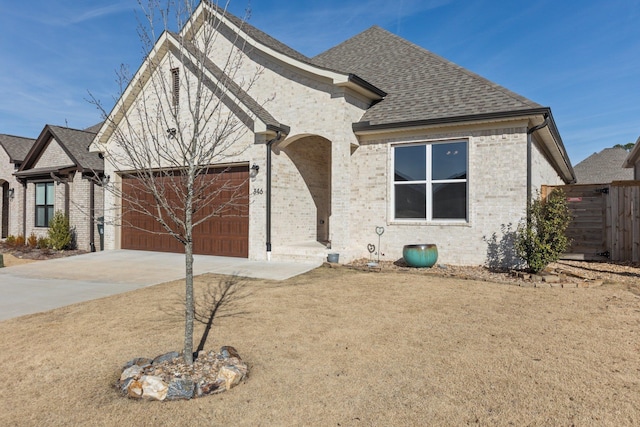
165,357
140,361
227,351
203,389
180,388
154,388
134,389
167,377
550,278
231,376
130,372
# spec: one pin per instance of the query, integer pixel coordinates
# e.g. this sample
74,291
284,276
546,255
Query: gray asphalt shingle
77,141
420,84
17,147
603,167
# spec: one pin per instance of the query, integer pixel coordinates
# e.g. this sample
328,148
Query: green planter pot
423,255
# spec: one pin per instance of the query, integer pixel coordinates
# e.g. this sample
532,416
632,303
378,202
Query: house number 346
257,191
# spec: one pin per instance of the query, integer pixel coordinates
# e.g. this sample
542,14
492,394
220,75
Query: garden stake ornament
379,232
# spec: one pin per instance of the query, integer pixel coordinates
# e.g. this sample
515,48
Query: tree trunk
189,306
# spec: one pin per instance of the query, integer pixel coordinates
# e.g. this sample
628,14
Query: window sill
415,222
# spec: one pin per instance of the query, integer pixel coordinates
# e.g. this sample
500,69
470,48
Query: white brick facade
13,210
329,184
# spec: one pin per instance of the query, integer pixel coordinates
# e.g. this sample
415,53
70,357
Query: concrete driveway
44,285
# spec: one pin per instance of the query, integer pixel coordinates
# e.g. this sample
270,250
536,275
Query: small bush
541,240
32,241
43,243
20,241
59,232
10,241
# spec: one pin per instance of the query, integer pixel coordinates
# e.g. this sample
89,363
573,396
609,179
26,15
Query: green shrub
32,241
43,243
59,232
20,242
10,241
541,239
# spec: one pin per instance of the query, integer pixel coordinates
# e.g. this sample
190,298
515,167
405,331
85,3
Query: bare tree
183,120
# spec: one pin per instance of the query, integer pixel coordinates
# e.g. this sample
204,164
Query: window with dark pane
45,195
430,181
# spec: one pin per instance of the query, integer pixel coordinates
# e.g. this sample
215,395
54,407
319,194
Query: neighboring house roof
74,142
17,147
95,128
634,155
420,84
603,167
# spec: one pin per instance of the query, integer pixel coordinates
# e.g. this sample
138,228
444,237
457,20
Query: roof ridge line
73,129
16,136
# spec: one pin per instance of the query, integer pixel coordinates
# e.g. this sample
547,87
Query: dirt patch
340,346
10,260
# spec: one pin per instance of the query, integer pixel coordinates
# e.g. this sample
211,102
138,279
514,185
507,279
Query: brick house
59,174
633,160
374,132
13,150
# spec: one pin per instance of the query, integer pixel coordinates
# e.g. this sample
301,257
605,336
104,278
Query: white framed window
430,181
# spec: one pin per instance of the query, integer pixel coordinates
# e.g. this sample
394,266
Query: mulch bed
577,272
27,252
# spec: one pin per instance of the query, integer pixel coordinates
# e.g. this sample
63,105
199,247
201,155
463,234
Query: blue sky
581,58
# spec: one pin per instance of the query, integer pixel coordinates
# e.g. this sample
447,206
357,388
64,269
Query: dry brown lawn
344,348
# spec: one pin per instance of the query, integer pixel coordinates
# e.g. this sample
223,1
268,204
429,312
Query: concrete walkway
44,285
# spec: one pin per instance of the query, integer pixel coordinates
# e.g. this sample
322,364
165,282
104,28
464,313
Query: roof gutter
361,128
530,131
366,85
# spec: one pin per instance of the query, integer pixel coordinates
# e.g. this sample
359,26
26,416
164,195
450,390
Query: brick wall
53,155
496,195
15,204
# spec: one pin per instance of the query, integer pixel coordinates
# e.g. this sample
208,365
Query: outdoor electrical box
101,231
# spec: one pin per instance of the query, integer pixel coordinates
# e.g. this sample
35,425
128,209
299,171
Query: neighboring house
60,174
375,132
603,167
13,150
633,160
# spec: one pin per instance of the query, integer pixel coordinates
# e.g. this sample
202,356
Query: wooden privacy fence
606,220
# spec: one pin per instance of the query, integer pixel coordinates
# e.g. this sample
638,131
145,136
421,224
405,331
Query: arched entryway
4,222
302,189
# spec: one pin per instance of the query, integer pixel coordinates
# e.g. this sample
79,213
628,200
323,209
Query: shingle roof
16,147
263,37
76,142
420,84
95,128
603,167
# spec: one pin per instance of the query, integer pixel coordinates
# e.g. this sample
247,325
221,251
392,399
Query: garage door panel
225,234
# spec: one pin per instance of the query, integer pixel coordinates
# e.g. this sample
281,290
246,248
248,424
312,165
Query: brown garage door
225,234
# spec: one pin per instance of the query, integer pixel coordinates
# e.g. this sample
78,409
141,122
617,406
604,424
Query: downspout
530,132
269,144
92,215
24,208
